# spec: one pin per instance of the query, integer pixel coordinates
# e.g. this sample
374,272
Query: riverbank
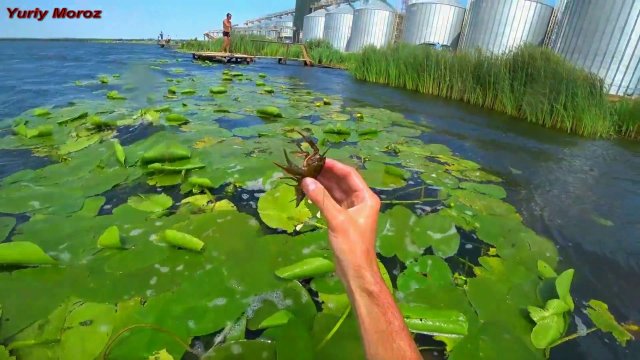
530,83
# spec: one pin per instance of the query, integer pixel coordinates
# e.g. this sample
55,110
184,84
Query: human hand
351,210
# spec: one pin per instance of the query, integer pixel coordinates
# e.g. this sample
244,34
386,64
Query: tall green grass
530,82
627,113
321,52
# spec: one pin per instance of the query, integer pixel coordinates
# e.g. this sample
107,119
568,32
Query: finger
319,196
351,181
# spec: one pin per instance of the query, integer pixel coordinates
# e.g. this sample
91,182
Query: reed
320,52
627,112
530,82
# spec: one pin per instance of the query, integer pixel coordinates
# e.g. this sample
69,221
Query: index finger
344,177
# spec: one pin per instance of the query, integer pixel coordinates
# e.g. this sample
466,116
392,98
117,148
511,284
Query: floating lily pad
183,240
277,208
23,253
115,95
110,239
176,119
269,111
306,268
487,189
150,202
218,90
599,313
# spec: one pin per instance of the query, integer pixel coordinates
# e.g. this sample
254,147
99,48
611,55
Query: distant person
226,34
161,35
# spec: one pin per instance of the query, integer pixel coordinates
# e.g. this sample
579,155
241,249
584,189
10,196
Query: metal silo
337,26
313,27
498,26
434,22
603,36
373,24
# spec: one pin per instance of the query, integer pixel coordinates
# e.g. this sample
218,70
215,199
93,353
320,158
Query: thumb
321,197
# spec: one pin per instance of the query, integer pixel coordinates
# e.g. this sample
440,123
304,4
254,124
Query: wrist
363,277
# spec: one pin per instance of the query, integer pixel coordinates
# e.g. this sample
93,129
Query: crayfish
311,165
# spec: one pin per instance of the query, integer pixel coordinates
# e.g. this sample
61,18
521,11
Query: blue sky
136,18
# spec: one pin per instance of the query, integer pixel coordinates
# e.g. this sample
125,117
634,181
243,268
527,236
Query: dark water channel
583,194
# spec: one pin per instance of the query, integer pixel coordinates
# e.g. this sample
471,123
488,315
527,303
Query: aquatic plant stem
407,201
335,328
114,339
571,337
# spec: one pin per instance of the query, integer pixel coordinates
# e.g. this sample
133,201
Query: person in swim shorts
226,34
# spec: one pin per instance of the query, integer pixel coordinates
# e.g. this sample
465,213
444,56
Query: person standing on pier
226,34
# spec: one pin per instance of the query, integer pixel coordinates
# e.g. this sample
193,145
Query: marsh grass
627,113
530,82
320,52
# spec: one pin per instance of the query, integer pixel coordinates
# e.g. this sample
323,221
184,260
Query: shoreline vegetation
531,83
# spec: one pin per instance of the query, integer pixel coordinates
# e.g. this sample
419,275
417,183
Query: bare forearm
382,326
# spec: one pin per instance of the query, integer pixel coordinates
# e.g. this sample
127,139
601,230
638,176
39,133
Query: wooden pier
224,57
248,59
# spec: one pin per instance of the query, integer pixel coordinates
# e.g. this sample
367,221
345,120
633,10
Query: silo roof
342,9
377,5
318,13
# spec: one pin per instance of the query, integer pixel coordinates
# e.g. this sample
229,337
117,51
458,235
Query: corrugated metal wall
303,7
434,22
498,26
603,36
313,27
337,26
373,24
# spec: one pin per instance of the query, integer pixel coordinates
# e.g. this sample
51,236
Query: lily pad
110,239
306,268
487,189
23,253
425,320
150,202
119,150
269,111
166,153
115,95
176,119
217,90
277,319
599,313
182,240
277,208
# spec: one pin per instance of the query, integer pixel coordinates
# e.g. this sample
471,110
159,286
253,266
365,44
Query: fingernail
309,184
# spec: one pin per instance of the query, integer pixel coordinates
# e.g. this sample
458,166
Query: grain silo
434,22
337,26
498,26
603,36
373,25
313,28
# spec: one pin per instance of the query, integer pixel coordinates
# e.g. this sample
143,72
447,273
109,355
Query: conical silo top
342,9
377,5
458,3
318,13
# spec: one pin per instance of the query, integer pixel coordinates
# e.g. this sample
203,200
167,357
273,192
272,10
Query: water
561,184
